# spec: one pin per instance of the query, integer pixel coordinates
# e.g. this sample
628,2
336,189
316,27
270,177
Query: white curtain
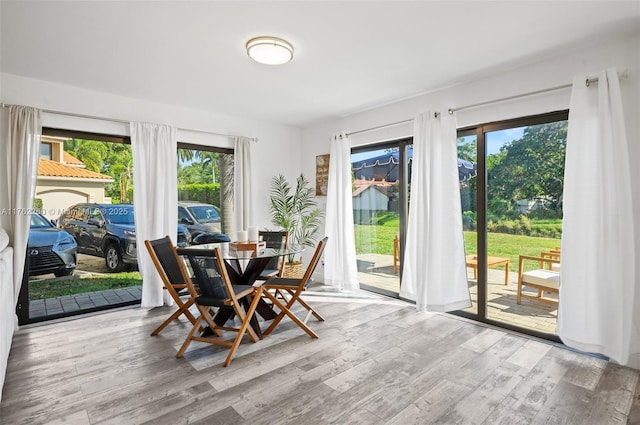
25,129
242,190
434,270
155,196
598,275
340,268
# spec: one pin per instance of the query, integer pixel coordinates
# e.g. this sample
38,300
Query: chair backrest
275,239
209,273
314,261
167,262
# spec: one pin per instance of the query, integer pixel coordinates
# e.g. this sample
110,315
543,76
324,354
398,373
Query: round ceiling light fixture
270,50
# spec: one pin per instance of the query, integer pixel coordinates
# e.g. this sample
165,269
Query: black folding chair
215,291
168,264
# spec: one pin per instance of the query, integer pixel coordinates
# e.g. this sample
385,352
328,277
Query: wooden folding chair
294,287
278,240
215,291
168,264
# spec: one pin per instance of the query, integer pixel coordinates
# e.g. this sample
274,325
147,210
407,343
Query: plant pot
293,270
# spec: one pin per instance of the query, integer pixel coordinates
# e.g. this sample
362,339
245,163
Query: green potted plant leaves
296,211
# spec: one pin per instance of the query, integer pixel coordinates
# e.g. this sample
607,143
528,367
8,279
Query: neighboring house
63,180
371,197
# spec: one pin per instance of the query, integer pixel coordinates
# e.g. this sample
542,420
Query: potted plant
297,212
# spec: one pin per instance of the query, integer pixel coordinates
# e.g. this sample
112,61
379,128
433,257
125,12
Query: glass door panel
467,176
525,169
377,211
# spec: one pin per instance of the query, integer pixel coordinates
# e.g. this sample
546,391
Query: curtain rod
587,83
366,130
119,121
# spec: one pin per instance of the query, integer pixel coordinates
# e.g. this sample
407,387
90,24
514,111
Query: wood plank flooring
377,361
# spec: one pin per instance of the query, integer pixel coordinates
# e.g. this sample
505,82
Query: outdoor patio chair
553,254
543,279
292,288
396,253
215,291
277,240
168,264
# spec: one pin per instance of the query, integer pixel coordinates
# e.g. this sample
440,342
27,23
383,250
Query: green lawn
379,239
50,288
511,246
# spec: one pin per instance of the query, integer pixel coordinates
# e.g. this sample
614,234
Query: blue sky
495,140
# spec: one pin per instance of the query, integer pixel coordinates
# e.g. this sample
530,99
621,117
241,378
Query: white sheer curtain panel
25,129
598,311
340,267
242,181
155,195
434,273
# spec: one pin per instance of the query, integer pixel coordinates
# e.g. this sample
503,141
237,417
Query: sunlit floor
377,271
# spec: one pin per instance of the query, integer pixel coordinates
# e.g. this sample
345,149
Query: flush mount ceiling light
270,50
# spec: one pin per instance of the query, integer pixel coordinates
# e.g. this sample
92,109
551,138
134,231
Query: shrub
207,193
525,225
469,220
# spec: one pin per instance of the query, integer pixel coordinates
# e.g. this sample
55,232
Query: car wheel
64,272
113,258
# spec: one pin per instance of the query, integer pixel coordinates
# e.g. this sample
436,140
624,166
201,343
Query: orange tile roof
70,159
50,168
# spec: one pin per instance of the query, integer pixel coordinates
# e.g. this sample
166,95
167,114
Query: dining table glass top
232,254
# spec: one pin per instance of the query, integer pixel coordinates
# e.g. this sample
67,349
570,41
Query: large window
81,252
205,189
513,208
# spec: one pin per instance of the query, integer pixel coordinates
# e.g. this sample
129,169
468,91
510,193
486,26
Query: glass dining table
243,268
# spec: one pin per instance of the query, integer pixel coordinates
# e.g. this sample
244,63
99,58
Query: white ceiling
349,56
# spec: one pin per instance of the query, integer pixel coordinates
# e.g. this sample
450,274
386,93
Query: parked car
50,250
108,231
199,218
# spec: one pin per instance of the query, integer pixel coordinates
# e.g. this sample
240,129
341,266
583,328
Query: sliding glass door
380,199
517,211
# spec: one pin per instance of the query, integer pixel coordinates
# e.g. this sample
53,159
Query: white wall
276,142
622,53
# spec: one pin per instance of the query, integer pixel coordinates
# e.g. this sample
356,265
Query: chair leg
285,310
244,328
311,311
519,296
184,309
187,341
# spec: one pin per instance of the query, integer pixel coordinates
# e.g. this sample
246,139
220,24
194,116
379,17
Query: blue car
108,231
50,250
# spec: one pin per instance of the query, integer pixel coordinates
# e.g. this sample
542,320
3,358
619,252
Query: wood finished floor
376,362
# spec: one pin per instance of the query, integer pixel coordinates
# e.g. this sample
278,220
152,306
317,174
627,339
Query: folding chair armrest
541,260
534,258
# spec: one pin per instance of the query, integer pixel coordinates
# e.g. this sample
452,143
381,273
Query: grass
511,246
51,288
379,240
